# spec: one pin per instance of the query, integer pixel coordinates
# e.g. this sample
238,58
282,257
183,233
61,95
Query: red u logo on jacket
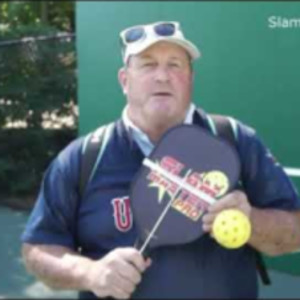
122,213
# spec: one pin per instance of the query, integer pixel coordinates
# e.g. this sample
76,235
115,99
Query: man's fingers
232,200
207,228
236,200
207,221
105,284
118,293
124,284
209,218
118,273
133,256
224,203
128,271
148,262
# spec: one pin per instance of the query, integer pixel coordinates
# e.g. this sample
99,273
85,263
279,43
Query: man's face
158,84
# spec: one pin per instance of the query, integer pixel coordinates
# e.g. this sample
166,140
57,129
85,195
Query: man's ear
122,76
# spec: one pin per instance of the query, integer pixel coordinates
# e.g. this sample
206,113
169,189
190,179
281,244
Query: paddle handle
162,215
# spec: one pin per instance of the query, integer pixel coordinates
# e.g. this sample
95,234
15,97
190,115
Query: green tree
59,14
37,80
36,77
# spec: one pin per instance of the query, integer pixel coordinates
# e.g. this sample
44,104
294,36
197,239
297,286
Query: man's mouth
162,94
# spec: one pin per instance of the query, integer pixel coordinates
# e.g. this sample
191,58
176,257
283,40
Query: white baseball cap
138,38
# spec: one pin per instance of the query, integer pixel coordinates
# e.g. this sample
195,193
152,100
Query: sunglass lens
165,29
134,34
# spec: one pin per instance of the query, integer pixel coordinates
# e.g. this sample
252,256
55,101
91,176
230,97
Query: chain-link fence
38,106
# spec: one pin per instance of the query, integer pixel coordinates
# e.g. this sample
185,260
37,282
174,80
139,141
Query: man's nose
162,74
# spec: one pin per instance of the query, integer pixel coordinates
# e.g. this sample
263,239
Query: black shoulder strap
91,148
224,129
89,157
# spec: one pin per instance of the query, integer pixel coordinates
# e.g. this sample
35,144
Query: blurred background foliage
38,103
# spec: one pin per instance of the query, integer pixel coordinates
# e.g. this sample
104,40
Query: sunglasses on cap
140,32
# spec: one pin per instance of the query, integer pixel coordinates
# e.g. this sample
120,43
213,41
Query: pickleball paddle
188,170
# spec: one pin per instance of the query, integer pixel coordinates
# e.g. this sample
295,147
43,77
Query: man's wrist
80,268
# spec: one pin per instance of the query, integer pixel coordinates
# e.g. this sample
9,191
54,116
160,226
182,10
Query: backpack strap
222,127
226,128
92,151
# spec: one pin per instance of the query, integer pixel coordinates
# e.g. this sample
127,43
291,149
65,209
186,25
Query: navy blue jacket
201,269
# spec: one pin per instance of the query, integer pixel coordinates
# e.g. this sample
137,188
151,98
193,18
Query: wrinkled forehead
163,50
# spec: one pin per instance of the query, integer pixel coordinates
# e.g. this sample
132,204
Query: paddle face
201,160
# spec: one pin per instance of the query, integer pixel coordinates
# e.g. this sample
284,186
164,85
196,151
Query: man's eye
148,64
175,65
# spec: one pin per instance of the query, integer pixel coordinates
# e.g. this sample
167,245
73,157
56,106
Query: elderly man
86,243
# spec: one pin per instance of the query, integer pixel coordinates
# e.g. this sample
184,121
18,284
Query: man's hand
237,200
117,274
274,231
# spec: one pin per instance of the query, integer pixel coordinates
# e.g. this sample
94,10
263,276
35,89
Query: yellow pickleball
231,228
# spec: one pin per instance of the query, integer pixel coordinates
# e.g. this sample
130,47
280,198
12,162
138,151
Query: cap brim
137,47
